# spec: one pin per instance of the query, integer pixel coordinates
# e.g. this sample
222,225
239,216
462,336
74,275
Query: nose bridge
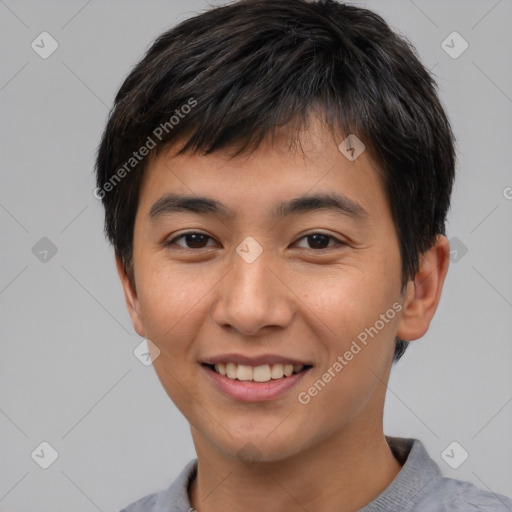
251,274
251,296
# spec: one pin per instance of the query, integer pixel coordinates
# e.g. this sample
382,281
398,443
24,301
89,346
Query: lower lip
249,391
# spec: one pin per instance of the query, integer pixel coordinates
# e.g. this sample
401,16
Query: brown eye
319,241
193,240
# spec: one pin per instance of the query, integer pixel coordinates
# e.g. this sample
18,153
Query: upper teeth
261,373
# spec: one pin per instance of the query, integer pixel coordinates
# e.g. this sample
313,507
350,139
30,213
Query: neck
344,472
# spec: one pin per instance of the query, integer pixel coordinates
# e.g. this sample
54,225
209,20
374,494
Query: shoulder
172,499
156,502
421,487
450,495
146,504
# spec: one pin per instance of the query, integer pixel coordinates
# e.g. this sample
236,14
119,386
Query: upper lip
254,361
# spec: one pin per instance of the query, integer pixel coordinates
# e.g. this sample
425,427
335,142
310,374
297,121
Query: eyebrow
330,201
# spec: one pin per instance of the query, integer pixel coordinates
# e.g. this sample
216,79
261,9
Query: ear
130,296
424,292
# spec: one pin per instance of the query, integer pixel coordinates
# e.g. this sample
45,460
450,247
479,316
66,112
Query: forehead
275,179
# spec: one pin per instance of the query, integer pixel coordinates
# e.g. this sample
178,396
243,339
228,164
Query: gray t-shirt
419,487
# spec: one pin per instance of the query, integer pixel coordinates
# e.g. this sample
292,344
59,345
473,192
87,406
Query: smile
246,383
261,373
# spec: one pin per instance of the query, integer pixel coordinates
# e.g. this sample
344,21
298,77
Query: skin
296,299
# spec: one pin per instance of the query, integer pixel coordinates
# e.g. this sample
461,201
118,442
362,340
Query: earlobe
424,292
131,298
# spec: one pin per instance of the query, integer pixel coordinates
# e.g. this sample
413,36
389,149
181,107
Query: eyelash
183,235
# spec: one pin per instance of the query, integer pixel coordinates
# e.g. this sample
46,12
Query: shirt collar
418,471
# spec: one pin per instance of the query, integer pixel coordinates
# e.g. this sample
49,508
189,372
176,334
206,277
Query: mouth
254,379
246,383
260,373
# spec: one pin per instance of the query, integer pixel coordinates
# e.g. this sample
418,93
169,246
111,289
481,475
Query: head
247,104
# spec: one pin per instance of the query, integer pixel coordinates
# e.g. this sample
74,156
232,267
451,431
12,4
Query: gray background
68,373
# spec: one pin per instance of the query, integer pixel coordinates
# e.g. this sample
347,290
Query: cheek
170,307
365,326
351,379
362,317
349,299
169,302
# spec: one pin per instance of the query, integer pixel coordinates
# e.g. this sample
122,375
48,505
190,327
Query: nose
254,296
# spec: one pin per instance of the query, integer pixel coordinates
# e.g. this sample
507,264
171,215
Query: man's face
324,278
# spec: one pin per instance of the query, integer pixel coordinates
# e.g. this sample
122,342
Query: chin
252,449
